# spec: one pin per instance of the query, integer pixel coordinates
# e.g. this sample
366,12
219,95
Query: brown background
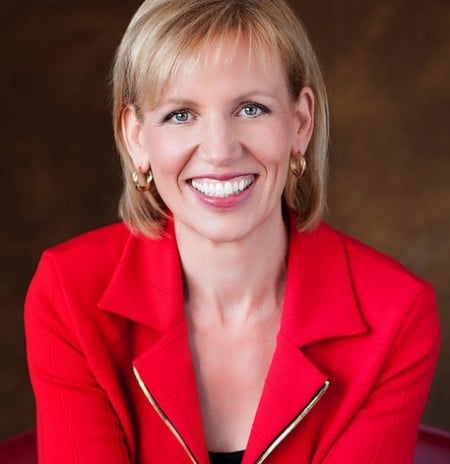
386,64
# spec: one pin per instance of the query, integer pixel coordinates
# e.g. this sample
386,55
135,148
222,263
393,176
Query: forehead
213,60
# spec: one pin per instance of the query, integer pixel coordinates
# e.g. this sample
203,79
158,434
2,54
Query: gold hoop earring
297,165
138,176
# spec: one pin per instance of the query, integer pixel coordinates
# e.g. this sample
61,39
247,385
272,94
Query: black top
234,457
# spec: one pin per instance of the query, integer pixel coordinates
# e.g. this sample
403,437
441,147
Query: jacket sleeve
75,421
384,429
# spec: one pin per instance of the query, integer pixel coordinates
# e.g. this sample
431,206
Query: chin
217,230
225,234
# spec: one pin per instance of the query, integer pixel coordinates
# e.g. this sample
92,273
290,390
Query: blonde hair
163,33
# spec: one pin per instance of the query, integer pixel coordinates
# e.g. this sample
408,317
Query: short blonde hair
155,45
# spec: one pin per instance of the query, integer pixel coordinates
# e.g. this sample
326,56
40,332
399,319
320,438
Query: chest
231,368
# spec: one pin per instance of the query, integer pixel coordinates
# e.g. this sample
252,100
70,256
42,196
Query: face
218,143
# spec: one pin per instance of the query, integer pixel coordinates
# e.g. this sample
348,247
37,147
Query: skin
219,123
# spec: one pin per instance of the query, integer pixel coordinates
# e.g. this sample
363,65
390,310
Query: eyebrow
177,101
182,102
255,93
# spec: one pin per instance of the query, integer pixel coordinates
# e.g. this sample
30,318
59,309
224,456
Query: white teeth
228,188
220,189
215,188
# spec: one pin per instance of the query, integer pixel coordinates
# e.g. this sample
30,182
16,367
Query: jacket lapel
290,389
166,376
147,288
320,304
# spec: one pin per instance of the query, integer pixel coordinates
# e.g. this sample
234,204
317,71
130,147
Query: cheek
168,153
272,145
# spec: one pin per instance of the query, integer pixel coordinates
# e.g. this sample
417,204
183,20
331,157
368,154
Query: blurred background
387,67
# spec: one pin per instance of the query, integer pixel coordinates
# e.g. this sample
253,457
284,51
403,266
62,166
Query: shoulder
85,261
393,302
104,242
90,252
390,297
347,272
373,271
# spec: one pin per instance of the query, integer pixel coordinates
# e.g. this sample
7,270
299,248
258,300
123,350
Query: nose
219,141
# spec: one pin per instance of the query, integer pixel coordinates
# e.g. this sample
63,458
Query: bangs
209,40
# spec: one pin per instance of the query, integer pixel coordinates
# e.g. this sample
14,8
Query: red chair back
433,446
20,449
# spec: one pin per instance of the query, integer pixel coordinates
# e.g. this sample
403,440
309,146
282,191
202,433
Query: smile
222,189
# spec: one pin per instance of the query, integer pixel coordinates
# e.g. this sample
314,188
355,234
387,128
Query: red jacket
114,382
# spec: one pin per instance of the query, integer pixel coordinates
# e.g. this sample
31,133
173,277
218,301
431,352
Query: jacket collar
320,301
147,285
320,304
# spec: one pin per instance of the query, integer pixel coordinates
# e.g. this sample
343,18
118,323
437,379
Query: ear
132,136
304,110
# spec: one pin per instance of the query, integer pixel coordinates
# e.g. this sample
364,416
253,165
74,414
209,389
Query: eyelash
262,108
185,111
177,112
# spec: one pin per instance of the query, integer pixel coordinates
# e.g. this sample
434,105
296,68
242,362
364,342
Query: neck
234,282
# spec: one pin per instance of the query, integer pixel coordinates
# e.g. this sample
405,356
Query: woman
223,322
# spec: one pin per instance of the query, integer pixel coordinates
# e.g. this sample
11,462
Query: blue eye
178,116
253,110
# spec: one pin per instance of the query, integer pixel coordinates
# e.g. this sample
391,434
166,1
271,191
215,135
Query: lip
223,177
